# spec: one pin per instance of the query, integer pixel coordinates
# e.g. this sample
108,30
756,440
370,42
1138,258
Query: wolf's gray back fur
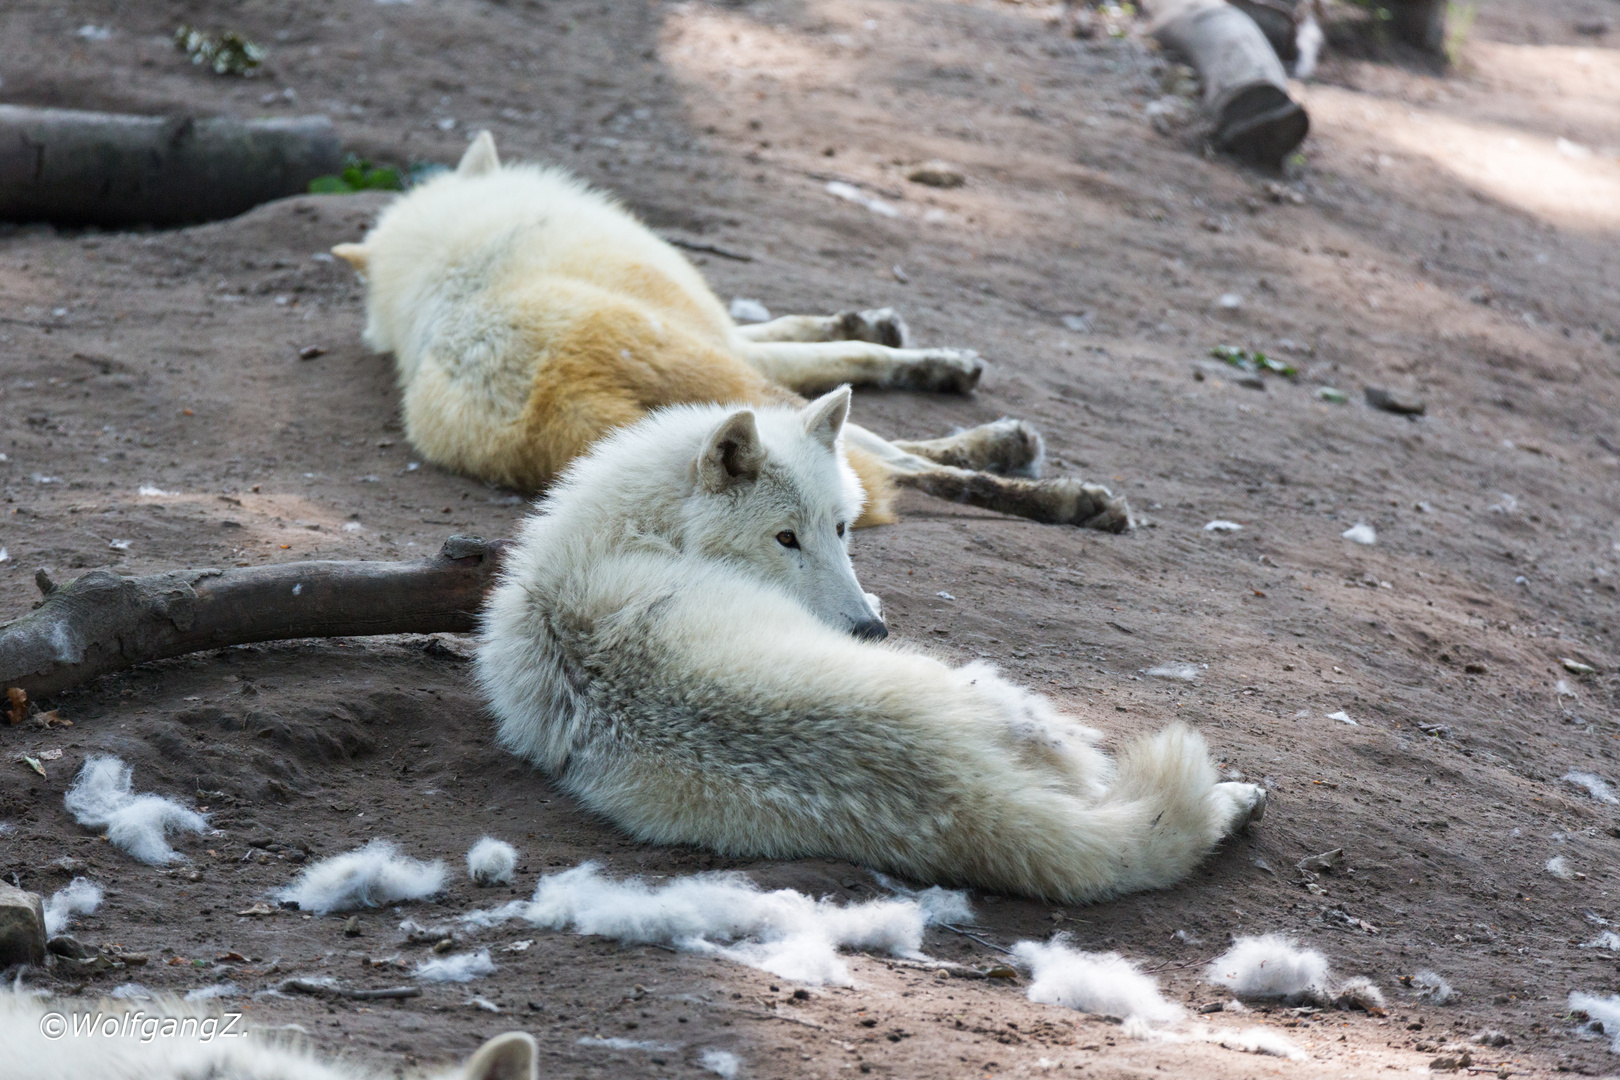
651,648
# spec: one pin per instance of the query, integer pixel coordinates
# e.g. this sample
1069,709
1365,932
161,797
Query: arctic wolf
529,315
677,638
164,1039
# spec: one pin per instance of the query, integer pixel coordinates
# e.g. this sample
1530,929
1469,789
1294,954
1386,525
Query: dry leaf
19,704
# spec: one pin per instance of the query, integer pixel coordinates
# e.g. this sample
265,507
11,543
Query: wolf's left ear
733,455
480,157
824,417
513,1056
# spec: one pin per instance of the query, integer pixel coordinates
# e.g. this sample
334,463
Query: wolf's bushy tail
1168,779
1159,817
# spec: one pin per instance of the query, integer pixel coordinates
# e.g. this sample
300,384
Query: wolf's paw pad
1245,804
880,326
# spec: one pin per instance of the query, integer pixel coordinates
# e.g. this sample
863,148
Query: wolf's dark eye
840,528
787,539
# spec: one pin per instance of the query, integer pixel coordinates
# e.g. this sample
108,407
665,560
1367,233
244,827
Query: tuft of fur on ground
1604,1013
103,797
491,861
81,896
1271,966
1092,982
371,876
726,915
460,968
1432,988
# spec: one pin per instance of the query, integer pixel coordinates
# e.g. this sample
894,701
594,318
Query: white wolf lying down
675,639
529,316
64,1039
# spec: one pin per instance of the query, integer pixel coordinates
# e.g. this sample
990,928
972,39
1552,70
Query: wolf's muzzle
870,630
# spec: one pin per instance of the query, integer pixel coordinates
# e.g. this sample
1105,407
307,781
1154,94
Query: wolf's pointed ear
355,255
824,417
480,157
733,455
513,1056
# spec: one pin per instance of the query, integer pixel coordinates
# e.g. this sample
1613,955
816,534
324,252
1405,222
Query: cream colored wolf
677,639
164,1039
529,315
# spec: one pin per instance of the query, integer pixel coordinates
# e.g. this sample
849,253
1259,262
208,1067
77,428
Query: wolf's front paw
1241,805
880,326
940,371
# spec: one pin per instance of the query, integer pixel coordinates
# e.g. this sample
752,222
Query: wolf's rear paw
1065,501
1243,805
880,326
940,371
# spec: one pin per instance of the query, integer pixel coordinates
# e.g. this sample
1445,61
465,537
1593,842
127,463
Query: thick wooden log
1420,23
1245,87
1276,20
88,168
102,622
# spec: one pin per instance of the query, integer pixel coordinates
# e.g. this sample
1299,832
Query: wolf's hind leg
880,326
812,368
1060,501
1008,447
1237,806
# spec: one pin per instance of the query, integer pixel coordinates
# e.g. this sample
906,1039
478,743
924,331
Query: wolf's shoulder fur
654,647
168,1039
503,229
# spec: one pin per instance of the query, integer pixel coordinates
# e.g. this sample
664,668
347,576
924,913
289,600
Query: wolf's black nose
870,630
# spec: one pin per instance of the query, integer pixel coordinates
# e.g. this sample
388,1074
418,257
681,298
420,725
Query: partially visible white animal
164,1039
677,638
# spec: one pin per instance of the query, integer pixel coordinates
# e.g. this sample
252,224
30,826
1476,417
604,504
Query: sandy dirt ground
1457,236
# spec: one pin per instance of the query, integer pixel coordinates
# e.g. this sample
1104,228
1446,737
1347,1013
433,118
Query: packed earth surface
1449,233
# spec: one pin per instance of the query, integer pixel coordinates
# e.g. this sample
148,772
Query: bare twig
318,989
986,942
707,249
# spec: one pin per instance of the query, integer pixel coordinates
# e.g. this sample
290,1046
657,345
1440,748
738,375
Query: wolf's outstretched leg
1060,501
880,326
1008,447
812,368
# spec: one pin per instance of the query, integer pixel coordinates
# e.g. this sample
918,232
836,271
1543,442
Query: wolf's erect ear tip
355,255
480,157
513,1056
733,453
824,417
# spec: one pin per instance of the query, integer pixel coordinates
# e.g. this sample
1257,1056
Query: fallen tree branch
102,622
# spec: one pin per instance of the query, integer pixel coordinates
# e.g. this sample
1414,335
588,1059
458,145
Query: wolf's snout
870,630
